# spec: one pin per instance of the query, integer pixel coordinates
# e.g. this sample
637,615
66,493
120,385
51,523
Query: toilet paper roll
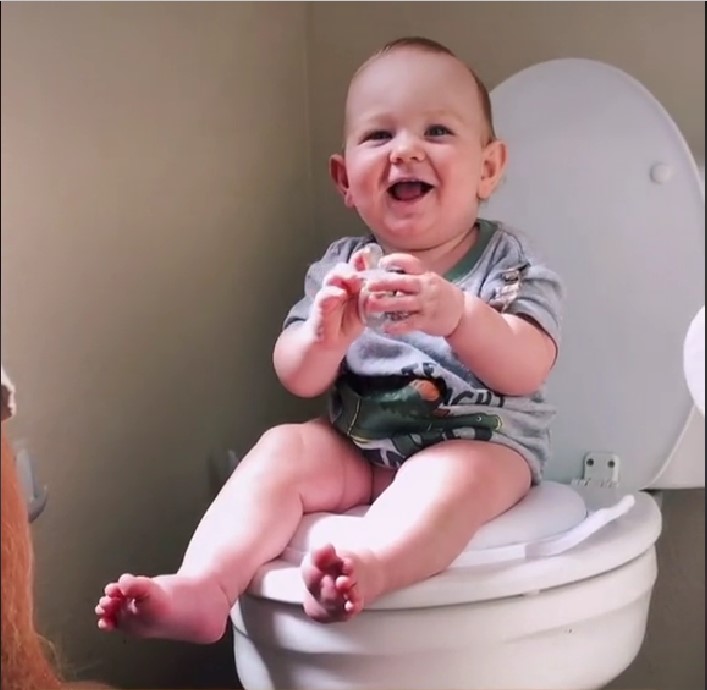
694,359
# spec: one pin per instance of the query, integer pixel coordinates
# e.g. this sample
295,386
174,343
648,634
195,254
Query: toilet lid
601,180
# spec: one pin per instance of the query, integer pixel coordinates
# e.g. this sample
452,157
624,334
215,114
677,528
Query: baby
437,416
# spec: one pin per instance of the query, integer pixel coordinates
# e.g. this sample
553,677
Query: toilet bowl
555,593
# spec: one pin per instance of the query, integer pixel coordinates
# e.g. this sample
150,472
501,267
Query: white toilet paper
694,359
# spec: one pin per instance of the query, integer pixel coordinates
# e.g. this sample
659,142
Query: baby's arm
511,354
306,367
505,331
508,334
320,328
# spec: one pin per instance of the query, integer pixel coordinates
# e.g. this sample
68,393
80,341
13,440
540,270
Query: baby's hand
428,302
334,318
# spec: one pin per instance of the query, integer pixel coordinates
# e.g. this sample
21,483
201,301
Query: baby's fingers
330,297
344,276
414,322
366,257
382,302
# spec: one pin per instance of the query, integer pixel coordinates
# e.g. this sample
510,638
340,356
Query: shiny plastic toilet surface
694,360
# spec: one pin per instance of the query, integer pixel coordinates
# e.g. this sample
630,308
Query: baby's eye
377,135
437,131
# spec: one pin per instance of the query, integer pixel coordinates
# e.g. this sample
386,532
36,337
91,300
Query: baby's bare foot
337,583
172,607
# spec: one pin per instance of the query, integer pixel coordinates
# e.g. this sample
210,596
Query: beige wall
155,178
155,224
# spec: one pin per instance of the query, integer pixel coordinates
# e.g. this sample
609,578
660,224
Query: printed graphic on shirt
391,418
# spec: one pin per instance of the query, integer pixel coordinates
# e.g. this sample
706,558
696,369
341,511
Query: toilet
555,593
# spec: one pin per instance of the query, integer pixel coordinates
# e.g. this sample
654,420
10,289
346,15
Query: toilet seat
550,519
584,131
617,544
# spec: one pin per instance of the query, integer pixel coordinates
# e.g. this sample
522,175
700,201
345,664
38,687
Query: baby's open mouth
409,190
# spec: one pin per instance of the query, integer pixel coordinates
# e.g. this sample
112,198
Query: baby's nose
407,147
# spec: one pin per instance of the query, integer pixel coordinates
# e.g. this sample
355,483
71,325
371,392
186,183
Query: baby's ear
337,170
493,165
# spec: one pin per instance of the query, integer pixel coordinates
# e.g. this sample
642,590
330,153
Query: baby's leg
293,469
419,525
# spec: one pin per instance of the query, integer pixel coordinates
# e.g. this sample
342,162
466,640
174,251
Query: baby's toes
108,603
107,614
112,589
109,607
312,577
106,623
347,566
343,584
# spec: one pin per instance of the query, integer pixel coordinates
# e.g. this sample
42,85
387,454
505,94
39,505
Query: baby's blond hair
431,46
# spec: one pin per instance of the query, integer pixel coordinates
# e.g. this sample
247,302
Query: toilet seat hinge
601,469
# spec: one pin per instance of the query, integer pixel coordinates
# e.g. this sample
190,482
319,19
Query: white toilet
554,593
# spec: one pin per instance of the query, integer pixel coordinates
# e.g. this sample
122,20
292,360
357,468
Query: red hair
24,664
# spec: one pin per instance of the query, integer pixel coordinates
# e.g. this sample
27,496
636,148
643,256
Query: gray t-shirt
501,269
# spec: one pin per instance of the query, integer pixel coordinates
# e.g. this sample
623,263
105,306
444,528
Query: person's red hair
23,663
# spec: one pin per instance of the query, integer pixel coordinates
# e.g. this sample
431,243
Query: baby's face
416,159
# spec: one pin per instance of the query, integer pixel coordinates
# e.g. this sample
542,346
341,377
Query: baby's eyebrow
375,117
363,127
383,120
431,114
448,115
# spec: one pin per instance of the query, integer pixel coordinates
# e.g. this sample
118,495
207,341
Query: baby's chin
406,235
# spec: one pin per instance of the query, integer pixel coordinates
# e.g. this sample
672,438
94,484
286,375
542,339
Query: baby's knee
276,443
295,452
276,454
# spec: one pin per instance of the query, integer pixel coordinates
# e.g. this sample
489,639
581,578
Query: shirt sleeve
520,283
339,252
